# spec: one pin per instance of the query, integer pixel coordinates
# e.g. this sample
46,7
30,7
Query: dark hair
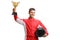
31,9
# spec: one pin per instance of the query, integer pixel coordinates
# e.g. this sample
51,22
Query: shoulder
25,19
37,20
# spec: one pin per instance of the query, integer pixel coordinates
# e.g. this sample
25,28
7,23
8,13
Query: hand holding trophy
15,4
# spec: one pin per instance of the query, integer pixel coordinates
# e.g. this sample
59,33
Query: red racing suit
31,25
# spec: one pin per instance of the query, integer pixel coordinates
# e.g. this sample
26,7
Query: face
32,13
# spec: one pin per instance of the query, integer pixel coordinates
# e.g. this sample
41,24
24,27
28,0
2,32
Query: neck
31,17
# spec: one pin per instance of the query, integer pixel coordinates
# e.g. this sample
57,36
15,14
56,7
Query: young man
31,24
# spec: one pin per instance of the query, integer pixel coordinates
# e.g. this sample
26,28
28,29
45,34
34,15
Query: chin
32,16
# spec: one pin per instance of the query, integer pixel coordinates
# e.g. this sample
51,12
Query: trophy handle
18,2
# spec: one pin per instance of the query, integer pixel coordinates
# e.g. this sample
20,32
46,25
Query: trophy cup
15,4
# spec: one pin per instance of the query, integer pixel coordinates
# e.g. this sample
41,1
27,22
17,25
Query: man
31,24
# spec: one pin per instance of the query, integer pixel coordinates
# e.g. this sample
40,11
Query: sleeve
40,24
18,20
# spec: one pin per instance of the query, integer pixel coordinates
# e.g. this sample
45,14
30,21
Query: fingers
14,9
45,35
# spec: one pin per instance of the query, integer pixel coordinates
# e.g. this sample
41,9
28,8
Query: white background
48,11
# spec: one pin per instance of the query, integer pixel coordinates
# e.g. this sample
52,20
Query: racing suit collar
31,18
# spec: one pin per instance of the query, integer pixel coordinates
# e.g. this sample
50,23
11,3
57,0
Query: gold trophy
15,4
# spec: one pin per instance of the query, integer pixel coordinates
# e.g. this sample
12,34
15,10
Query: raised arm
16,18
